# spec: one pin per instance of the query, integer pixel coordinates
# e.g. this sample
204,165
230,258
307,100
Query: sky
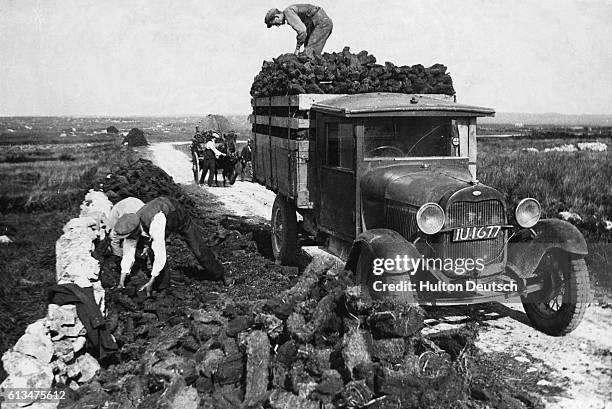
194,57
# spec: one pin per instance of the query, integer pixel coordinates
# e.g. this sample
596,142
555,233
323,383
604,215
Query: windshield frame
452,142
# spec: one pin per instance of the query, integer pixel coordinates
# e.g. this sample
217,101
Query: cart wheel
558,308
195,166
284,231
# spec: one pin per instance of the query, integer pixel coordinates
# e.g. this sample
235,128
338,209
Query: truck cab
388,183
376,152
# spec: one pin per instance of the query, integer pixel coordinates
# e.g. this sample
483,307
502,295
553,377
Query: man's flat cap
127,224
270,16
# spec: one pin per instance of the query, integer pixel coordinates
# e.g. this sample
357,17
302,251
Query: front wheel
559,307
379,286
284,231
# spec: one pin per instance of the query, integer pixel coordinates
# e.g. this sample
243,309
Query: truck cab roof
394,104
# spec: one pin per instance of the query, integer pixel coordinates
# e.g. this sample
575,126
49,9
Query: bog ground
570,371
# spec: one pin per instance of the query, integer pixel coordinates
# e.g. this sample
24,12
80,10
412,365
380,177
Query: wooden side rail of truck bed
283,141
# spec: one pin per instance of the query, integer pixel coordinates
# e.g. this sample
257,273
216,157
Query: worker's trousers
209,165
319,31
193,235
246,168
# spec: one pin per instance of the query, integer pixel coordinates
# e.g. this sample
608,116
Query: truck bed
283,136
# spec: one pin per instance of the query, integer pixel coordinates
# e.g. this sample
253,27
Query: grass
562,181
45,177
578,182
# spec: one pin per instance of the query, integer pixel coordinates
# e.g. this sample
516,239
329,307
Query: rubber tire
365,278
363,273
570,314
284,246
195,166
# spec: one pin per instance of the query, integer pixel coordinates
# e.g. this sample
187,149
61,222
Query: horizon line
240,113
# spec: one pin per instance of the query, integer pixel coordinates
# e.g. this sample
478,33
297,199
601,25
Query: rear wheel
559,307
284,231
195,166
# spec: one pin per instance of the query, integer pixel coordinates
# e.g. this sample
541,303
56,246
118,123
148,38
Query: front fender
524,256
382,243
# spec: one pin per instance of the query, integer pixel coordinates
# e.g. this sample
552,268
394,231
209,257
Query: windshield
409,137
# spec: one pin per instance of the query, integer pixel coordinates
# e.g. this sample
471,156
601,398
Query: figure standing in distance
311,23
246,165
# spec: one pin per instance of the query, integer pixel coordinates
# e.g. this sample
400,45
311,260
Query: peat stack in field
135,137
347,73
112,129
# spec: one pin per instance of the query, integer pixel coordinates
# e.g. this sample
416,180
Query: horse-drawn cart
226,162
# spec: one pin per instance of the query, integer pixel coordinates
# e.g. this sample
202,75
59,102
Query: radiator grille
402,219
467,214
485,213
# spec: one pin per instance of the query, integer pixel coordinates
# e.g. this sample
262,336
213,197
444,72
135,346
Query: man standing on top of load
311,23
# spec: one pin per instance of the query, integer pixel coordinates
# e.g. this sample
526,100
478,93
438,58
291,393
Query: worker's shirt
157,237
211,145
156,217
299,17
125,206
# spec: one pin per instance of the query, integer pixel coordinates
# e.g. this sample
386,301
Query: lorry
388,183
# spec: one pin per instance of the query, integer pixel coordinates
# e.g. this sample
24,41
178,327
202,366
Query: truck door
337,180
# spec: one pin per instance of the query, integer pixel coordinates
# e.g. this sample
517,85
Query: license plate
476,233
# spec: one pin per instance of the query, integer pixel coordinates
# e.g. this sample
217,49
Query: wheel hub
554,287
277,229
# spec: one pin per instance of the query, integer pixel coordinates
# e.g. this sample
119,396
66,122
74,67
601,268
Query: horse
227,163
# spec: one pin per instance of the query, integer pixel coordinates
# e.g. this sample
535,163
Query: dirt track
574,371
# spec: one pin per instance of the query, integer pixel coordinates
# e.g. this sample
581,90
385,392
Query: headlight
430,218
527,212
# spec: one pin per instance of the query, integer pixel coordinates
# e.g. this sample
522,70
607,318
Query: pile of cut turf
143,180
135,137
